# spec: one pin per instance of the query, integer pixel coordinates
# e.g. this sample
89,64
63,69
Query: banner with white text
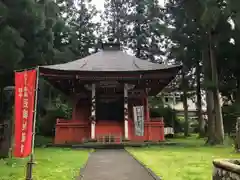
25,88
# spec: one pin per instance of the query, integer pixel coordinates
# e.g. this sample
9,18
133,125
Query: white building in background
175,101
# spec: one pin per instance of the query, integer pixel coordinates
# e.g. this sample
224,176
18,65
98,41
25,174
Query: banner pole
31,161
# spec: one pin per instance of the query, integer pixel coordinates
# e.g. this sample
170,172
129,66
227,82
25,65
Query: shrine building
104,88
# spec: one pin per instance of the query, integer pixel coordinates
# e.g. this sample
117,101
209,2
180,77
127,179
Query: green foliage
42,141
230,115
47,122
64,109
210,14
205,32
82,27
155,102
158,109
167,113
208,85
115,20
137,25
44,32
35,32
49,32
146,36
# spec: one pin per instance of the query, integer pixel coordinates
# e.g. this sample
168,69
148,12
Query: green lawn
51,164
191,161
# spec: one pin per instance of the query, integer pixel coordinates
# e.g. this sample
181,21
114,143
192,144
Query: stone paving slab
114,165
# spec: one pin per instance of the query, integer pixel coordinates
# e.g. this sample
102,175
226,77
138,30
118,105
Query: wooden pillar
126,111
147,108
148,116
74,107
144,107
93,111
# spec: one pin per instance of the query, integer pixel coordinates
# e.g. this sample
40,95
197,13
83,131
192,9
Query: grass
51,164
189,161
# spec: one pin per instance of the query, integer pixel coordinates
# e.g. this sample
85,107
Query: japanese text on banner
25,83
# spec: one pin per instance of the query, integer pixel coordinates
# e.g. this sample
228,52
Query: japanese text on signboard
24,107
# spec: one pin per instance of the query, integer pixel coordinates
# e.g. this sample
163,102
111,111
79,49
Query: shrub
169,116
230,115
46,123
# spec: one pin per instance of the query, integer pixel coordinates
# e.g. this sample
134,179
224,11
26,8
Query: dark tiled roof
109,61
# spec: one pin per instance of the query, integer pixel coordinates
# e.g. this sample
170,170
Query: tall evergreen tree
83,38
190,19
25,39
146,35
139,33
116,20
156,30
203,27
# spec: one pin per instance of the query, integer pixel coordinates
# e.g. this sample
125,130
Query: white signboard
138,113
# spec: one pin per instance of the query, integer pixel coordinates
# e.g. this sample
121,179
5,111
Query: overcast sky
100,3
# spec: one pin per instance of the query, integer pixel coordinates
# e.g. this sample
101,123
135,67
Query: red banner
25,85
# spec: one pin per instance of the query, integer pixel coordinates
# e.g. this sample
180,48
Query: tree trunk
211,118
185,105
237,140
199,102
217,106
238,92
138,51
209,99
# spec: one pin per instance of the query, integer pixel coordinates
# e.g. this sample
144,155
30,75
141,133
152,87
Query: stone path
114,165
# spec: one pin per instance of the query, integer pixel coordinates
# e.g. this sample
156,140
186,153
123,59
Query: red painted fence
75,131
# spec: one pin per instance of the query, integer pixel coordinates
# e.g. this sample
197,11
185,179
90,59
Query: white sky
100,3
